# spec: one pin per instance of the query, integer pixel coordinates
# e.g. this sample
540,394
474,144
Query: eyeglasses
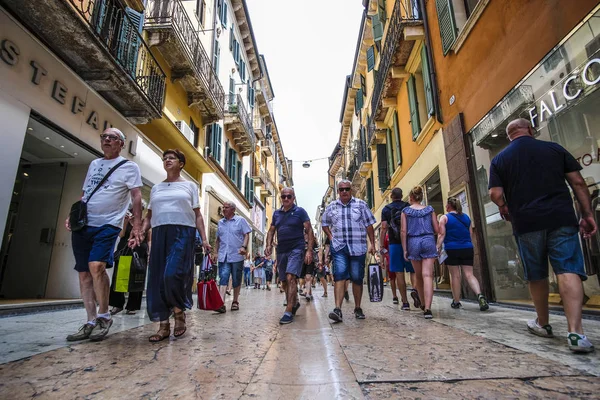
170,159
111,138
286,196
344,189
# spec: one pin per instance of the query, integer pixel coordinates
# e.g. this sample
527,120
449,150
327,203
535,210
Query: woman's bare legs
418,281
427,282
455,279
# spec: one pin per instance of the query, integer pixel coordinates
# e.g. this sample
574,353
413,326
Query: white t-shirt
110,203
173,203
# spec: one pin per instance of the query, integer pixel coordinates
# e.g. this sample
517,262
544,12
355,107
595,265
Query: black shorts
459,257
308,269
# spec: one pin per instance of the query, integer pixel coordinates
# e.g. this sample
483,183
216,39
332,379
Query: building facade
157,71
493,67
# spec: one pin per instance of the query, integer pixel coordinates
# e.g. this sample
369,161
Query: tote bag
375,281
209,297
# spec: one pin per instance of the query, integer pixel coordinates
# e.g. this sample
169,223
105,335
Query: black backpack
395,224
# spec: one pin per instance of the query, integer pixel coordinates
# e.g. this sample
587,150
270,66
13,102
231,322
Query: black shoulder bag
78,215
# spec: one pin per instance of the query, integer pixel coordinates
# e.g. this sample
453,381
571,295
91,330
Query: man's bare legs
357,292
308,285
291,290
539,294
339,289
101,285
571,293
393,285
86,287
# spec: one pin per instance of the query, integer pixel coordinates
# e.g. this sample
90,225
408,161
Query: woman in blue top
419,227
455,234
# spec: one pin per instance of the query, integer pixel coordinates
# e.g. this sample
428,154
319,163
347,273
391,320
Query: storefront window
561,99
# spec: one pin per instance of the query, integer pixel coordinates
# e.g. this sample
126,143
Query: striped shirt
348,224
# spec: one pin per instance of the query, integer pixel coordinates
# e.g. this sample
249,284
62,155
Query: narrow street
247,354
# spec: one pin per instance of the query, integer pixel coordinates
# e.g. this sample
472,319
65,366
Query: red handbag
209,297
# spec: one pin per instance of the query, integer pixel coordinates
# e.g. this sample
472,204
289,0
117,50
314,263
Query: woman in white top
174,215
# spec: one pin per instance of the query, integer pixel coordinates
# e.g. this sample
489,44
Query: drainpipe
432,73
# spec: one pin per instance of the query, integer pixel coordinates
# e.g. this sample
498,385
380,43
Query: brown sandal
235,306
180,327
164,331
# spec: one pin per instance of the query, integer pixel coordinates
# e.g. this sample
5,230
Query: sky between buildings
309,49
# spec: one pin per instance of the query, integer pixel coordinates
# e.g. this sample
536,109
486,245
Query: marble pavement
246,354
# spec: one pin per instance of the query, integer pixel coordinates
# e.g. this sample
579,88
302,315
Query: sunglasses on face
286,196
344,189
110,138
170,159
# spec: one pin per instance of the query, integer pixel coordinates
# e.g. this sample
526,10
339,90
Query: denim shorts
560,245
347,266
290,263
421,247
233,269
94,244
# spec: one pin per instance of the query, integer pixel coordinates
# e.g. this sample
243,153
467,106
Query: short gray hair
345,181
230,204
289,189
117,132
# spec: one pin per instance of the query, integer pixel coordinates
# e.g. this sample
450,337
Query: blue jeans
247,280
233,269
560,245
347,266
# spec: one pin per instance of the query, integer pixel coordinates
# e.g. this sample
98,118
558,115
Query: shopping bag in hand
209,297
375,282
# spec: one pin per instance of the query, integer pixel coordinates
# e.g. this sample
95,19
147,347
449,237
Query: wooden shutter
243,71
370,193
359,100
389,142
246,186
129,40
413,104
363,84
370,58
382,167
231,38
231,90
216,57
218,141
227,159
208,141
377,27
427,82
238,170
448,29
381,12
224,13
396,128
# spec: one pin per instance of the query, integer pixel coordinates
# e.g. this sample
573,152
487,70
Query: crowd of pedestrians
411,239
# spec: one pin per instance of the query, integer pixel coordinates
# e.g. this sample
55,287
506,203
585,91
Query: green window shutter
227,159
427,82
238,170
243,71
390,152
219,142
251,191
224,13
396,128
370,193
216,57
246,186
231,38
413,104
363,84
370,58
208,140
448,29
359,99
382,13
382,167
377,27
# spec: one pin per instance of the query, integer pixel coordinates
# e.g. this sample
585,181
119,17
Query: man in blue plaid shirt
347,222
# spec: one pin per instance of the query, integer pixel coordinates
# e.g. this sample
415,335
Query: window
223,12
382,167
236,52
196,132
398,147
391,157
420,95
243,71
200,10
378,21
250,94
370,191
359,101
214,138
363,84
216,57
238,174
231,38
231,90
452,17
370,58
249,189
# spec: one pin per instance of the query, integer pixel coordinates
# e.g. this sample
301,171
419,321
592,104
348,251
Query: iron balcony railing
120,33
235,105
404,11
173,13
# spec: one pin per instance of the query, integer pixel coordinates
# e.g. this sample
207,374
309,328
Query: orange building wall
507,41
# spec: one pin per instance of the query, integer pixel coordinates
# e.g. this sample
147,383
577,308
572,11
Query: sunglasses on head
344,189
286,196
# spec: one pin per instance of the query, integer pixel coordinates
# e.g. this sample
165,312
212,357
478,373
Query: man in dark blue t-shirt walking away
527,183
290,222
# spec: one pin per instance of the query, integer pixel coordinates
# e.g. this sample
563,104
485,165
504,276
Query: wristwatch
245,247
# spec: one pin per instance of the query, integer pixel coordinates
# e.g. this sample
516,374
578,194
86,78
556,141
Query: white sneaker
579,343
537,329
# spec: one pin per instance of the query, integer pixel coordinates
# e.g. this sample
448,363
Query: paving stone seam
457,380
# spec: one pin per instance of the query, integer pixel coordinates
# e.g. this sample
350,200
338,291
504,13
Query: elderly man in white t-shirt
93,245
233,233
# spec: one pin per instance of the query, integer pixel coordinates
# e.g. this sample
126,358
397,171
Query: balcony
405,27
260,127
259,175
267,189
171,31
238,122
101,42
266,147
